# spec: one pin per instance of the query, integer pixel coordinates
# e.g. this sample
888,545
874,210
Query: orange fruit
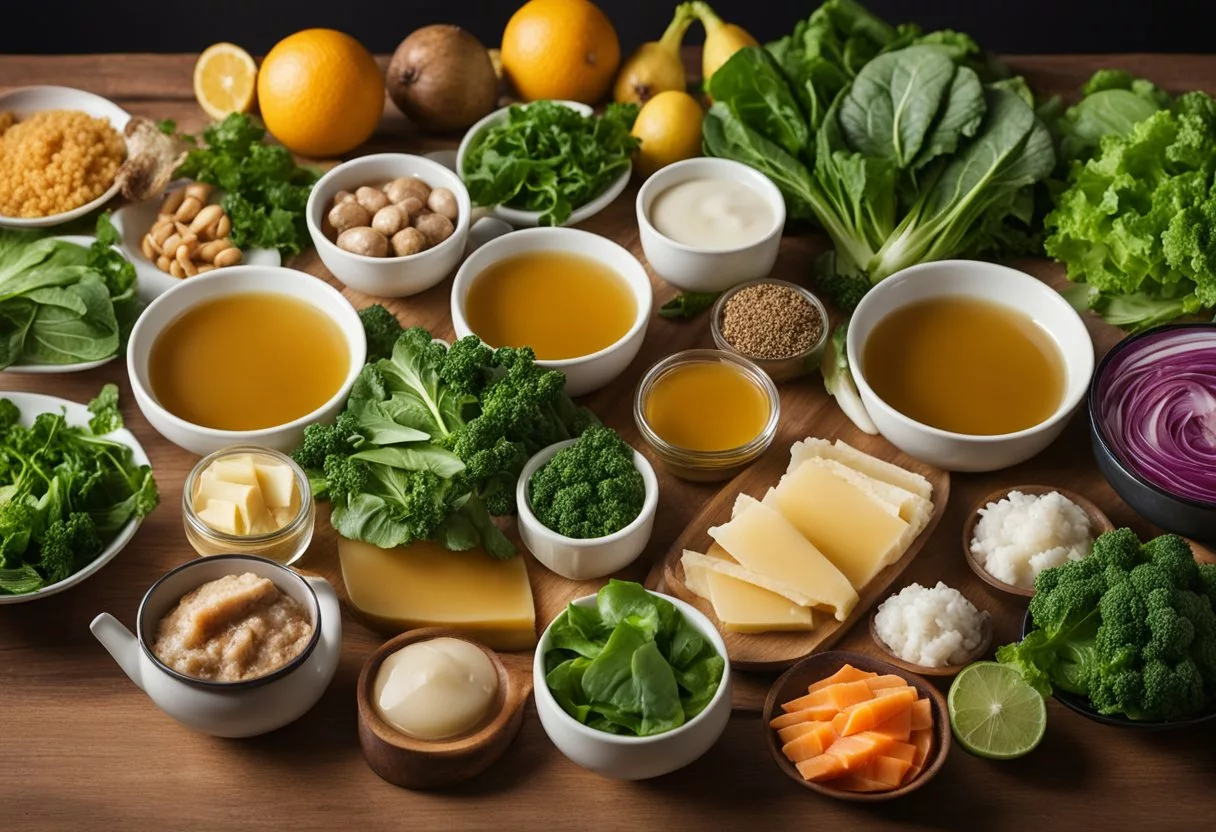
225,80
565,49
320,92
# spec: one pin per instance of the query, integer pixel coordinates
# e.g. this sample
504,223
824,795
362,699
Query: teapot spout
120,644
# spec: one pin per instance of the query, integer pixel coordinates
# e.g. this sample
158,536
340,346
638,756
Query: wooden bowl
944,670
1098,523
428,764
794,683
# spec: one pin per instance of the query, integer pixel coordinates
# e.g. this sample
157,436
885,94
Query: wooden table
81,747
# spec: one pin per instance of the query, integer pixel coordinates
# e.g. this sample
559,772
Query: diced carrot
923,740
857,783
887,770
823,767
902,751
888,681
793,732
811,744
867,715
897,726
896,691
857,750
922,715
848,673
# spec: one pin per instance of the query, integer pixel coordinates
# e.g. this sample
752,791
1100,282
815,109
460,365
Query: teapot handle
331,614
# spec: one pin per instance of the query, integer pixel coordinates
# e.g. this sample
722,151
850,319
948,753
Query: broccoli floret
1171,691
382,330
1172,554
322,441
468,365
16,527
68,545
1119,548
1207,580
590,489
344,477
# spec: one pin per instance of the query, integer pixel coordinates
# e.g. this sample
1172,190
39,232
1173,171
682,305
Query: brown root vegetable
373,199
435,227
406,187
346,215
443,201
363,240
411,206
344,196
442,78
409,241
389,220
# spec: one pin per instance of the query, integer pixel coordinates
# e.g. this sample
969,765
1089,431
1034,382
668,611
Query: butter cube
247,498
222,516
277,482
238,469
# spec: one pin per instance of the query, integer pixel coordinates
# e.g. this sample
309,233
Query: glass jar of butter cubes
248,500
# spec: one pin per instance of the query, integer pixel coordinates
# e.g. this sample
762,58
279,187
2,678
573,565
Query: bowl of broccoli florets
1125,636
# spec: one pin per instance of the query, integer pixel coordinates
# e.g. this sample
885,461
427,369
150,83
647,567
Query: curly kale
382,330
589,489
68,545
1131,626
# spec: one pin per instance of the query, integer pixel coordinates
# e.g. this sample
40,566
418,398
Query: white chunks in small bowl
190,235
930,626
403,217
1021,535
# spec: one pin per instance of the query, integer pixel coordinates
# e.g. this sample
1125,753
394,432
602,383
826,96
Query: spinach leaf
632,685
688,304
16,316
416,457
760,97
60,335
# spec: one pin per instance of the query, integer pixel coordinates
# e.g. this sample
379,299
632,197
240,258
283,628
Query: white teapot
229,709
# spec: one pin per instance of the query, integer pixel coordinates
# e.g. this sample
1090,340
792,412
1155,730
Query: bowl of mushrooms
389,224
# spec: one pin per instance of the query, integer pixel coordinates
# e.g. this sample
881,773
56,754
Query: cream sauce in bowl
712,214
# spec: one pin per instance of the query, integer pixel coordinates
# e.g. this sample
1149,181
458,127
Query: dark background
1017,26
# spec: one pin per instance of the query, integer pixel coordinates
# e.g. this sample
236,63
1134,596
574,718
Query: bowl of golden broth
579,300
248,355
969,366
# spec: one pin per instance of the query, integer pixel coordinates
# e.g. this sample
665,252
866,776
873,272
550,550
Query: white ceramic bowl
635,758
30,405
585,373
134,221
530,219
700,270
996,284
388,277
236,280
587,558
26,101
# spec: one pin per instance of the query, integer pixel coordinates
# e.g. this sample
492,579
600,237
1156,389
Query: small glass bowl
286,545
778,369
706,466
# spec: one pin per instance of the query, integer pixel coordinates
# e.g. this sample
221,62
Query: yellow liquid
561,305
247,362
706,406
966,366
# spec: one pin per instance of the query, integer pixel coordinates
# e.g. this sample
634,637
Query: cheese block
848,524
871,466
742,607
246,497
912,508
278,484
765,542
223,516
425,585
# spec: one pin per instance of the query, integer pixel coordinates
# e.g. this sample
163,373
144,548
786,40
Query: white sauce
712,214
435,689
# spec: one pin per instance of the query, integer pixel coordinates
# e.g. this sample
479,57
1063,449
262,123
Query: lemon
669,126
225,80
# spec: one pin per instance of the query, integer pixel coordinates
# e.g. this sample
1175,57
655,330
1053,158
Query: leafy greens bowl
621,756
519,217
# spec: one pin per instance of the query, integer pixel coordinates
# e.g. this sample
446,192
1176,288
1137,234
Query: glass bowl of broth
707,414
969,366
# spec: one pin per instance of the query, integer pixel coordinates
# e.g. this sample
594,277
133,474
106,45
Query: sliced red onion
1157,402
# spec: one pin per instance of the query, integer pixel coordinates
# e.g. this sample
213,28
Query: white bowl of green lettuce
632,684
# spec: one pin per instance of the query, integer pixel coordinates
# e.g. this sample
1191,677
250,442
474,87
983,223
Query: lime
994,713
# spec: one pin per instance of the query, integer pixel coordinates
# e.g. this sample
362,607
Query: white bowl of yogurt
709,224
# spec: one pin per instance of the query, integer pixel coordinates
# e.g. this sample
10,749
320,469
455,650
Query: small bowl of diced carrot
856,728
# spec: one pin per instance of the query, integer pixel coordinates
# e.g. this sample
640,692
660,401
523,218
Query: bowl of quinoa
778,325
60,151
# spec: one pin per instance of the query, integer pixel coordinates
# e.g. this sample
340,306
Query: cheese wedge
425,585
743,607
849,525
731,568
871,466
764,541
912,508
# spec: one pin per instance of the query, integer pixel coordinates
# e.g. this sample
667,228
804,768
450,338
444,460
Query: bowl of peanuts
185,233
60,151
390,224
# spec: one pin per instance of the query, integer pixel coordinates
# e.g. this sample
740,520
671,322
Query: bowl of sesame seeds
778,325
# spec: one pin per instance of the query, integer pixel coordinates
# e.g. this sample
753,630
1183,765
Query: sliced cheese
871,466
765,542
731,568
278,484
853,528
912,508
425,585
742,607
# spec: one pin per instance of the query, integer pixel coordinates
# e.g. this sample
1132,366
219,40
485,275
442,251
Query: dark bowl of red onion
1152,418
